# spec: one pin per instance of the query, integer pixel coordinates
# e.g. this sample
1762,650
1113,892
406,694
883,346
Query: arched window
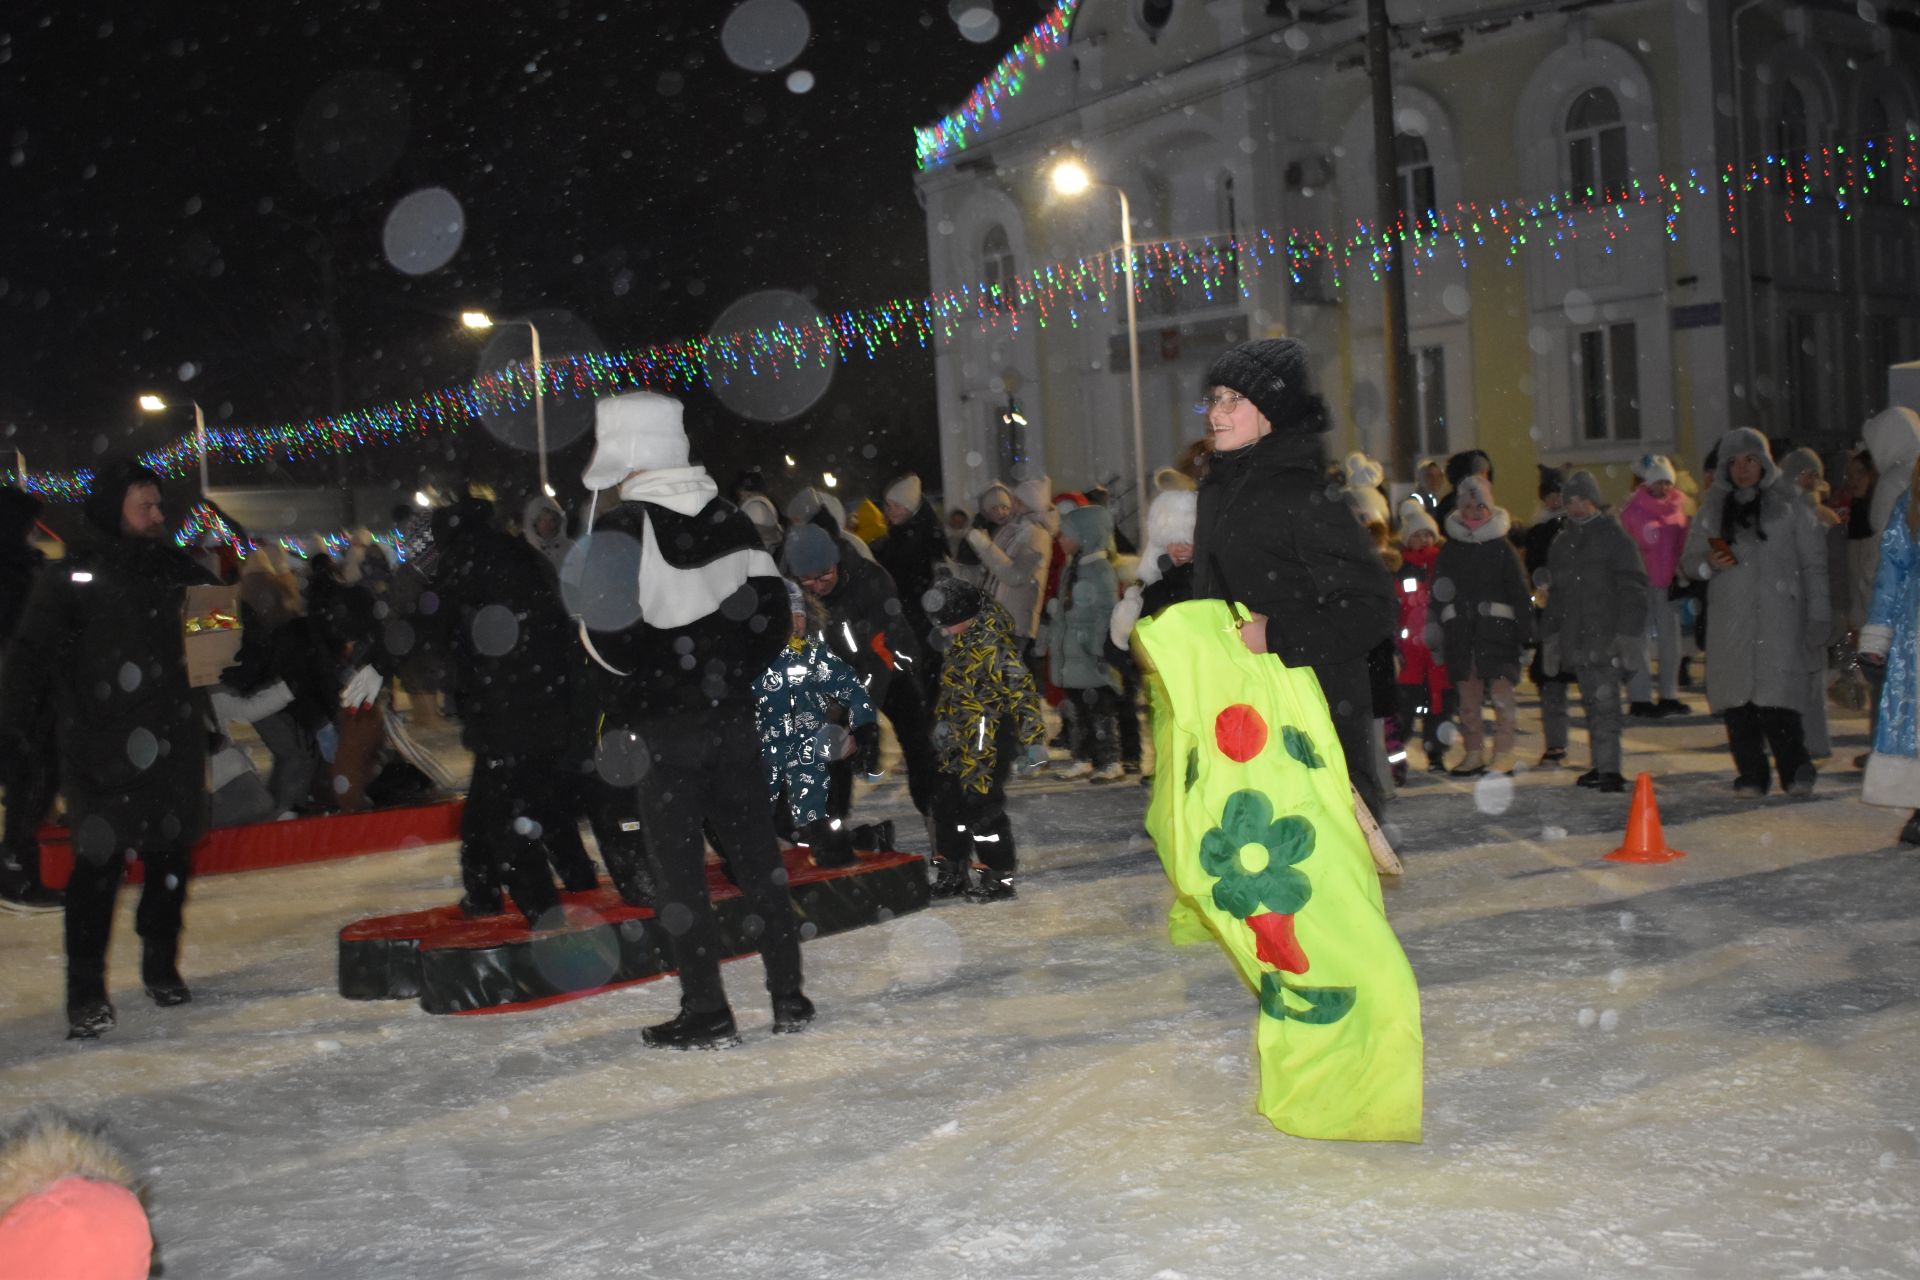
996,267
1596,147
1416,178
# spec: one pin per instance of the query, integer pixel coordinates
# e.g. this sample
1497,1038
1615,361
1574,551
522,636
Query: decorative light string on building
1844,182
941,139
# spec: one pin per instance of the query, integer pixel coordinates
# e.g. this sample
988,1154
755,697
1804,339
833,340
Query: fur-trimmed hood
70,1206
1496,527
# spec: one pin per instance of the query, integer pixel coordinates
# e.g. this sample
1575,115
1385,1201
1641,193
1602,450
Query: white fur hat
1034,493
905,492
810,502
1362,471
1415,518
639,431
1653,468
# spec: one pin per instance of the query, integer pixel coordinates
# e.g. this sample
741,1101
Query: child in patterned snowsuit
987,714
798,743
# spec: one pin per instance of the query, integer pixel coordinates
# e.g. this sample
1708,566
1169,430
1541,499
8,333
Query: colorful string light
1848,180
941,139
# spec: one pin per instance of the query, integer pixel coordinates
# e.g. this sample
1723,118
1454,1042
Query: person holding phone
1763,558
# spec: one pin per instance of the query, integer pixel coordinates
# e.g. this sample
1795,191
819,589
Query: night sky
187,185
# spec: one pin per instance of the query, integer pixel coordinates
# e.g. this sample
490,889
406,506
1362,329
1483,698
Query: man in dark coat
29,778
512,653
912,552
682,609
102,640
867,627
1272,533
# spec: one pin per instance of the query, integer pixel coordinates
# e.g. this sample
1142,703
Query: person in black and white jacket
681,609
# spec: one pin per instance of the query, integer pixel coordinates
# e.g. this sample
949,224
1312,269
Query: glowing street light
154,404
481,320
1070,178
829,478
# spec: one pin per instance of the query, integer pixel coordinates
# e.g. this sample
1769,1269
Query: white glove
362,689
1125,614
978,540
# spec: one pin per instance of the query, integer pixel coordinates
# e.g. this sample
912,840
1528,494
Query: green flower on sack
1253,857
1300,747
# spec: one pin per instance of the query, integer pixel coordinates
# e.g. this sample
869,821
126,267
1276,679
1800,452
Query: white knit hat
1653,468
1170,520
1415,518
640,431
905,492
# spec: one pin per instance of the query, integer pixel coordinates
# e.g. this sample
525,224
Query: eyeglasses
1225,401
818,579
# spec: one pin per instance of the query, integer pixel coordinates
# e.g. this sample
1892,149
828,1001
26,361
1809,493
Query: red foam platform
258,846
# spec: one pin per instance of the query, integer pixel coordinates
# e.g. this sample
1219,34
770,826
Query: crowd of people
698,670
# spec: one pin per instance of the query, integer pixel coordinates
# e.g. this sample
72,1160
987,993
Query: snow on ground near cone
1700,1068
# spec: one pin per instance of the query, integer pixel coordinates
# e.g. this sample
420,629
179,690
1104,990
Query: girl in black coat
1486,620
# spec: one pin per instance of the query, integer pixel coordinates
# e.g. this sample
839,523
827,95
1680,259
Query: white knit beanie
905,492
1653,468
1415,518
640,431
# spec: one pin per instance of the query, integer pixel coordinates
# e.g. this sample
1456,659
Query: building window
1796,138
1009,427
1596,148
1606,378
1430,399
1416,179
996,269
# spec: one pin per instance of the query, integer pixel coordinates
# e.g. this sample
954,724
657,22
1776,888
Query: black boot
1910,834
791,1013
949,879
689,1030
160,973
88,1019
874,837
994,886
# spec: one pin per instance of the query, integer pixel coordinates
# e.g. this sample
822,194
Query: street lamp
481,320
1070,178
154,404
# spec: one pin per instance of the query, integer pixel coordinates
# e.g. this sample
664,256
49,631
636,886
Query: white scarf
672,597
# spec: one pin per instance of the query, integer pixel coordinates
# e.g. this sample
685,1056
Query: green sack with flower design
1253,819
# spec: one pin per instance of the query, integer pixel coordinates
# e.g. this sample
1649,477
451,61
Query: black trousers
905,708
89,920
1129,711
31,783
1349,691
1751,730
1096,725
513,802
971,828
704,767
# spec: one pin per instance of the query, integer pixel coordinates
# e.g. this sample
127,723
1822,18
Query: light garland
1843,179
947,135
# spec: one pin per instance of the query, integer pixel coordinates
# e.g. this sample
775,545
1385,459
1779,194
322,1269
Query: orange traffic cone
1645,842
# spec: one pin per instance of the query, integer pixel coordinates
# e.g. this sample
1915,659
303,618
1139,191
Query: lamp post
1070,178
154,404
481,320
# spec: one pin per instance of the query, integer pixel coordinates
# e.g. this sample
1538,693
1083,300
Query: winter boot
21,890
949,879
874,837
480,908
1803,781
89,1019
690,1030
791,1014
1910,834
994,886
160,973
1611,782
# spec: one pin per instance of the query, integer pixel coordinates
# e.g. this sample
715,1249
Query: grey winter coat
1596,596
1767,616
1480,593
1017,560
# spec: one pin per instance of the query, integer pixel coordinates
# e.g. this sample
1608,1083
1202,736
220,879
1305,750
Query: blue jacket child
799,743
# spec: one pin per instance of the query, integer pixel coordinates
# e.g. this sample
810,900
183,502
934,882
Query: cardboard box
210,649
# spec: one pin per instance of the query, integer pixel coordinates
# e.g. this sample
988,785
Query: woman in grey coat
1764,561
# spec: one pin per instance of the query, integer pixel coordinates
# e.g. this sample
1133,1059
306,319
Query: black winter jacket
865,615
511,650
101,640
1482,599
1273,534
713,660
911,553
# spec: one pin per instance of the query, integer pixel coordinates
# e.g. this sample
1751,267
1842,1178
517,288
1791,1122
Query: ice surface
1703,1068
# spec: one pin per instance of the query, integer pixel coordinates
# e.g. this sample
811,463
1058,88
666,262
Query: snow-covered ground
1710,1068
